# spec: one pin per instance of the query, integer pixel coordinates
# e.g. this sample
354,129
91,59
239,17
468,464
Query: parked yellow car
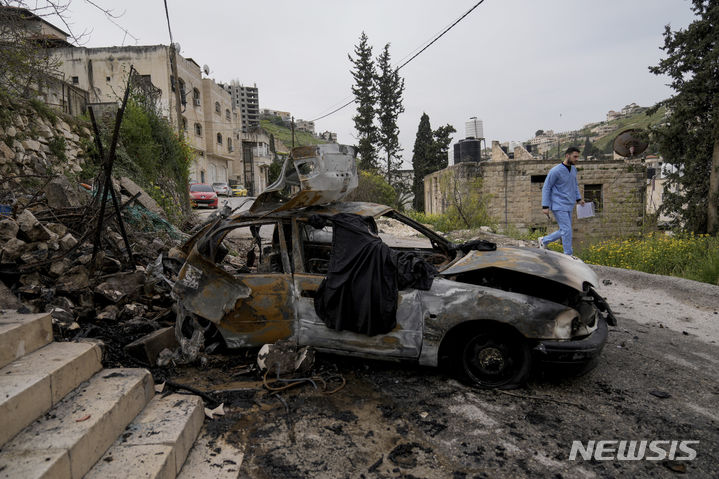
239,190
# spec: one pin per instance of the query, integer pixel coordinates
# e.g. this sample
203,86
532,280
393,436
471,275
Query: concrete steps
21,334
33,384
61,418
159,440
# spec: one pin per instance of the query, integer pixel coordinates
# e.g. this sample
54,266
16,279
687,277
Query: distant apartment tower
247,100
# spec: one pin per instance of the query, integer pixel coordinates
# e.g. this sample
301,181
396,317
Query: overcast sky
519,65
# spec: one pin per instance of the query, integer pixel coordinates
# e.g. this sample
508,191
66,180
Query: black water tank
468,149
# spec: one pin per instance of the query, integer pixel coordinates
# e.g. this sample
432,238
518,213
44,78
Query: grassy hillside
284,134
638,120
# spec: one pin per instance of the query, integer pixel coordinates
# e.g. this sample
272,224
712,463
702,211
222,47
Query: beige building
103,73
304,125
286,116
256,159
512,192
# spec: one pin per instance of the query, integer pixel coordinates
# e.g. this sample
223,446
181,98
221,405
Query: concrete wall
512,190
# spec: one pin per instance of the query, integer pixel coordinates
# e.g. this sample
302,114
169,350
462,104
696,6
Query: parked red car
203,195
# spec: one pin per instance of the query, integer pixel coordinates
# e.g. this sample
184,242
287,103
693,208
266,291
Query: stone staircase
63,416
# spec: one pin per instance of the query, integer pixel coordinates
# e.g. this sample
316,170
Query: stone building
512,192
256,159
103,72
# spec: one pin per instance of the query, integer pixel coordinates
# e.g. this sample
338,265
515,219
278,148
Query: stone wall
513,192
31,144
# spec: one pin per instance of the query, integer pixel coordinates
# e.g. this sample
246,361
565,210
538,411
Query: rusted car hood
541,263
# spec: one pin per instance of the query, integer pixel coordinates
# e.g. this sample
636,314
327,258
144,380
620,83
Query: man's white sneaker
540,242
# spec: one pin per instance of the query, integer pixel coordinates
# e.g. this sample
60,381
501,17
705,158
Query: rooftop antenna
630,143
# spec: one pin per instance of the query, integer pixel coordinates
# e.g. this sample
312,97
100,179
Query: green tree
689,139
364,90
539,132
442,137
421,157
374,188
590,149
390,87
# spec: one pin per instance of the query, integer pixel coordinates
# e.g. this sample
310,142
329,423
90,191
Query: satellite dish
630,143
177,47
206,69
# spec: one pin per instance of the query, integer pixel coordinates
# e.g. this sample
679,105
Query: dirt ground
658,379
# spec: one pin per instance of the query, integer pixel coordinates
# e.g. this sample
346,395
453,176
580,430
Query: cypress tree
389,86
364,90
421,158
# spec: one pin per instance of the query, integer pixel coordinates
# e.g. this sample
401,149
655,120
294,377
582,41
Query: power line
412,57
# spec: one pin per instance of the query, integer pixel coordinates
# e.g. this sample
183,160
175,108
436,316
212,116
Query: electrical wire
437,37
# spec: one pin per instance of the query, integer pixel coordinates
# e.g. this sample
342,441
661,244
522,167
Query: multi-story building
246,99
103,72
330,136
304,125
286,116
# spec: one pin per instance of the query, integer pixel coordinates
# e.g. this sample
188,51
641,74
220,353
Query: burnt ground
397,420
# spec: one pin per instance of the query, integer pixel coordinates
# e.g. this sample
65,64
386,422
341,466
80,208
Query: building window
593,193
107,78
229,144
184,123
538,178
219,138
198,129
196,97
217,107
183,94
75,80
227,115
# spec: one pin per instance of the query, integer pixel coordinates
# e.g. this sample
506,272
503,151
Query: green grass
284,134
638,121
684,255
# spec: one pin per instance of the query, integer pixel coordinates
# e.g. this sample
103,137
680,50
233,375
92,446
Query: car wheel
495,359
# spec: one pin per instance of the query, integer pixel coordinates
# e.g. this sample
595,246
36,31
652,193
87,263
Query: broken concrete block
61,193
33,252
7,299
132,310
8,228
58,268
109,313
58,228
121,286
74,280
144,199
148,347
31,227
67,241
13,249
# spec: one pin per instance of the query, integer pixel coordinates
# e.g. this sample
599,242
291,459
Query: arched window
229,144
198,129
196,97
227,115
219,138
217,107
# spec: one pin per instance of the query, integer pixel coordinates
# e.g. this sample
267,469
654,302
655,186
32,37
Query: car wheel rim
490,362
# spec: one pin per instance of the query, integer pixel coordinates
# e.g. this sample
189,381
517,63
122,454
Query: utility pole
178,101
292,123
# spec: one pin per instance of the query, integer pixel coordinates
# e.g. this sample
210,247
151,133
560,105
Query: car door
310,253
253,305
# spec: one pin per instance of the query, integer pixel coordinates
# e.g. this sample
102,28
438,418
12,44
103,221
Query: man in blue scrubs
560,193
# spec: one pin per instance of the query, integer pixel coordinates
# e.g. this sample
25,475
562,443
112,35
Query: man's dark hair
571,150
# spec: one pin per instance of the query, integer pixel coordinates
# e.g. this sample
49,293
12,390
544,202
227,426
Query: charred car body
489,314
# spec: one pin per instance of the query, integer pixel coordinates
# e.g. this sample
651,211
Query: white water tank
474,128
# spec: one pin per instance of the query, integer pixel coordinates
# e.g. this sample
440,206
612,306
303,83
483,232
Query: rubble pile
46,246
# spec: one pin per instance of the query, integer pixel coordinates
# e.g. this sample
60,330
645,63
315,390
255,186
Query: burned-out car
488,314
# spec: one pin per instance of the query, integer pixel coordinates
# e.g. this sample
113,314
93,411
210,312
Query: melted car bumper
576,352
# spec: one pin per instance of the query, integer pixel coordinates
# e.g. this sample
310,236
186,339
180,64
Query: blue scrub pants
564,219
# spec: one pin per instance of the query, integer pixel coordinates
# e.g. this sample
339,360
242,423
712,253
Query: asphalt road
657,380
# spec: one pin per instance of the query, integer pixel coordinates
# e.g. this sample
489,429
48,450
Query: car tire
495,359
